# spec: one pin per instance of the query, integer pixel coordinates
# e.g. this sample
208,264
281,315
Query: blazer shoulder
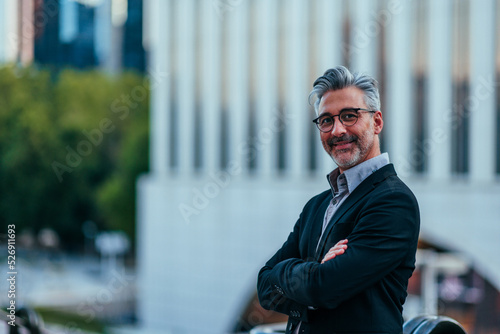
386,180
394,189
382,174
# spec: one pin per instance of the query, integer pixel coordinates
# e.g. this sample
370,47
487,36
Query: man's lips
341,145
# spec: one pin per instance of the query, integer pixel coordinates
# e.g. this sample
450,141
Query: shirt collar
357,174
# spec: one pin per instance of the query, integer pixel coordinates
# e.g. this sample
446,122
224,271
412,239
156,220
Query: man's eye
324,121
349,116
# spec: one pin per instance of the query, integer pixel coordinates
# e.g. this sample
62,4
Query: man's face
349,146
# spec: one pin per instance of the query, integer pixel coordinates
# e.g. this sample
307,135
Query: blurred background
155,153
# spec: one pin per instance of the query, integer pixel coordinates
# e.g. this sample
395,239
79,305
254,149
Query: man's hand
336,250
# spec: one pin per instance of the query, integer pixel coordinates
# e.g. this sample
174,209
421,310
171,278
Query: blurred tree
71,148
117,196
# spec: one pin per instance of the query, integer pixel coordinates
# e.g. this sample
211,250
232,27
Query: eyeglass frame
356,110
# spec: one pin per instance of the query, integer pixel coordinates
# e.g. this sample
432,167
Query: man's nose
338,129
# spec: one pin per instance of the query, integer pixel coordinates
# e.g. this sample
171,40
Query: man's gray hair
340,77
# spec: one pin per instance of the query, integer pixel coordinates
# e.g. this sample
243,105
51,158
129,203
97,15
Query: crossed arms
378,244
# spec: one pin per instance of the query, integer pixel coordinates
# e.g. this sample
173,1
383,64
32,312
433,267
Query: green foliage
70,321
71,148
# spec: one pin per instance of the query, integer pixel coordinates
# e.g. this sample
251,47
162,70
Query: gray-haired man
345,266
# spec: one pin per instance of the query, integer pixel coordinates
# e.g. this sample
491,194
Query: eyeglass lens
347,117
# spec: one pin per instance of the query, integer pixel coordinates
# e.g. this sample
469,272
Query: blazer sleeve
271,296
386,231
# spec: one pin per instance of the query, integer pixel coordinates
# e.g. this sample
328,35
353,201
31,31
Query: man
345,266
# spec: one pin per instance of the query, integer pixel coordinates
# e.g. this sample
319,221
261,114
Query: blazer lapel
319,216
361,190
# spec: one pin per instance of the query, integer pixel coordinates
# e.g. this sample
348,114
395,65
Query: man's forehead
349,97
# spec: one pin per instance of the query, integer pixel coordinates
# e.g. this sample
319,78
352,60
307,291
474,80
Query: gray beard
358,152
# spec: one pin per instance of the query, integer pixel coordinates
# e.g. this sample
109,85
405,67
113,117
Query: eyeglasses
348,117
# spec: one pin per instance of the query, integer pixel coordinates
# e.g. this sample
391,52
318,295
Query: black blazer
362,290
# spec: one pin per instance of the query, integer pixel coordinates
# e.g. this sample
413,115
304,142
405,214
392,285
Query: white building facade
9,31
235,156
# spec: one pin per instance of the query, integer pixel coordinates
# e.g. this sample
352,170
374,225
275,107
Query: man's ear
378,122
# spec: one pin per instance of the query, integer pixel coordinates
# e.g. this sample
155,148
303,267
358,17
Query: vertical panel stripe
266,89
186,84
482,91
363,37
160,90
238,85
211,86
437,145
296,88
398,117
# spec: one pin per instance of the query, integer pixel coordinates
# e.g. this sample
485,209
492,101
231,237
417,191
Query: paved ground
94,290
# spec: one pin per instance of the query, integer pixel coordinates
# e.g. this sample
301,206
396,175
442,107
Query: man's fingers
332,255
338,249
